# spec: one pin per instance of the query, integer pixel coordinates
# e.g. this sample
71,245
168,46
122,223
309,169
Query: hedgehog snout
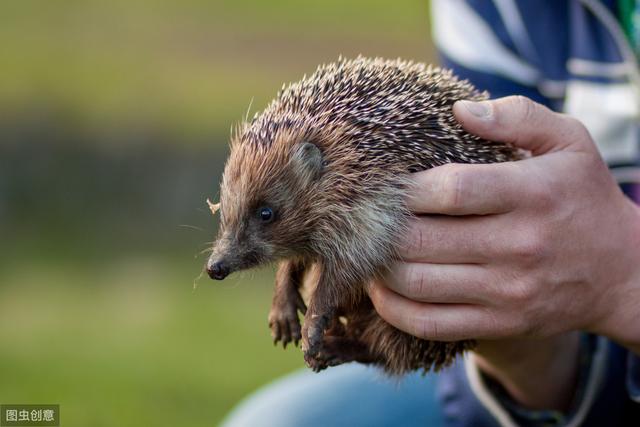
221,263
217,270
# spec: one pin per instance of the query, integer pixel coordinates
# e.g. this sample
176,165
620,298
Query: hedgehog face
265,204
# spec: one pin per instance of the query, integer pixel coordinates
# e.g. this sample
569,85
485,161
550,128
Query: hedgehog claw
275,332
285,325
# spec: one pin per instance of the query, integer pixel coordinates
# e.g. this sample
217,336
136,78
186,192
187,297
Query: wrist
621,321
537,374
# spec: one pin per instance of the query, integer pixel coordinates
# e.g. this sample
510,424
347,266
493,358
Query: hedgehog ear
307,161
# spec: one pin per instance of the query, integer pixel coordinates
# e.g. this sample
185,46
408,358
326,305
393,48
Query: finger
524,123
464,189
451,240
437,322
442,283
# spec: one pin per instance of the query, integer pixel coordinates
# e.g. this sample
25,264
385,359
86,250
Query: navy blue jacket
573,57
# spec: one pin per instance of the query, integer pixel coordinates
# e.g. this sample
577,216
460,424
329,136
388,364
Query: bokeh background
114,123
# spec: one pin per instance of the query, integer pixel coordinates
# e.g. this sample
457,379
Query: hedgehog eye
265,214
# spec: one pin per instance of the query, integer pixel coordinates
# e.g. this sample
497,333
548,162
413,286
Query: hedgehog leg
320,316
315,324
287,301
343,341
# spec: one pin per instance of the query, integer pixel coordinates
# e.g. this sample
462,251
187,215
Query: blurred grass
132,344
193,66
97,310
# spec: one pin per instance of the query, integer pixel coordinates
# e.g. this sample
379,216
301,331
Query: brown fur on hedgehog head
267,211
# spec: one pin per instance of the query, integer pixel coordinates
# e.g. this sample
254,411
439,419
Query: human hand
530,248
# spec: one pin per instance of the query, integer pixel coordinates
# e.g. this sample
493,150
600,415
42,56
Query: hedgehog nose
217,270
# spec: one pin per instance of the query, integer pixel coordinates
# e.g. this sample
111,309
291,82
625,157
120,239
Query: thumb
524,123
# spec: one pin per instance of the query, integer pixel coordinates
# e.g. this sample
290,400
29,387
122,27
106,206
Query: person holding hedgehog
561,344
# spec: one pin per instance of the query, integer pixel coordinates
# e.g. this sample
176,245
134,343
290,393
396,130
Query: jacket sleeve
472,40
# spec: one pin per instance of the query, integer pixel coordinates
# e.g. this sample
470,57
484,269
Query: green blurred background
114,121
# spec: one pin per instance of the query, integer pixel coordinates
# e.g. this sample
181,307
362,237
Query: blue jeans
356,395
349,395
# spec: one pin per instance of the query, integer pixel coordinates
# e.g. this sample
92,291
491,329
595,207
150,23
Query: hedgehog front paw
315,354
283,317
285,324
313,331
336,350
318,362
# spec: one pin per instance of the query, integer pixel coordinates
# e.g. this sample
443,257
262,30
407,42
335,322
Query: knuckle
526,107
577,127
418,242
415,241
427,328
542,195
576,131
531,248
519,293
452,187
416,283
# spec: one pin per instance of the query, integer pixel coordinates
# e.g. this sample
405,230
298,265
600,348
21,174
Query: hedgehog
318,182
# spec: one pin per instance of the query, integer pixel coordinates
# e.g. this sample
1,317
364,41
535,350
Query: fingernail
480,109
